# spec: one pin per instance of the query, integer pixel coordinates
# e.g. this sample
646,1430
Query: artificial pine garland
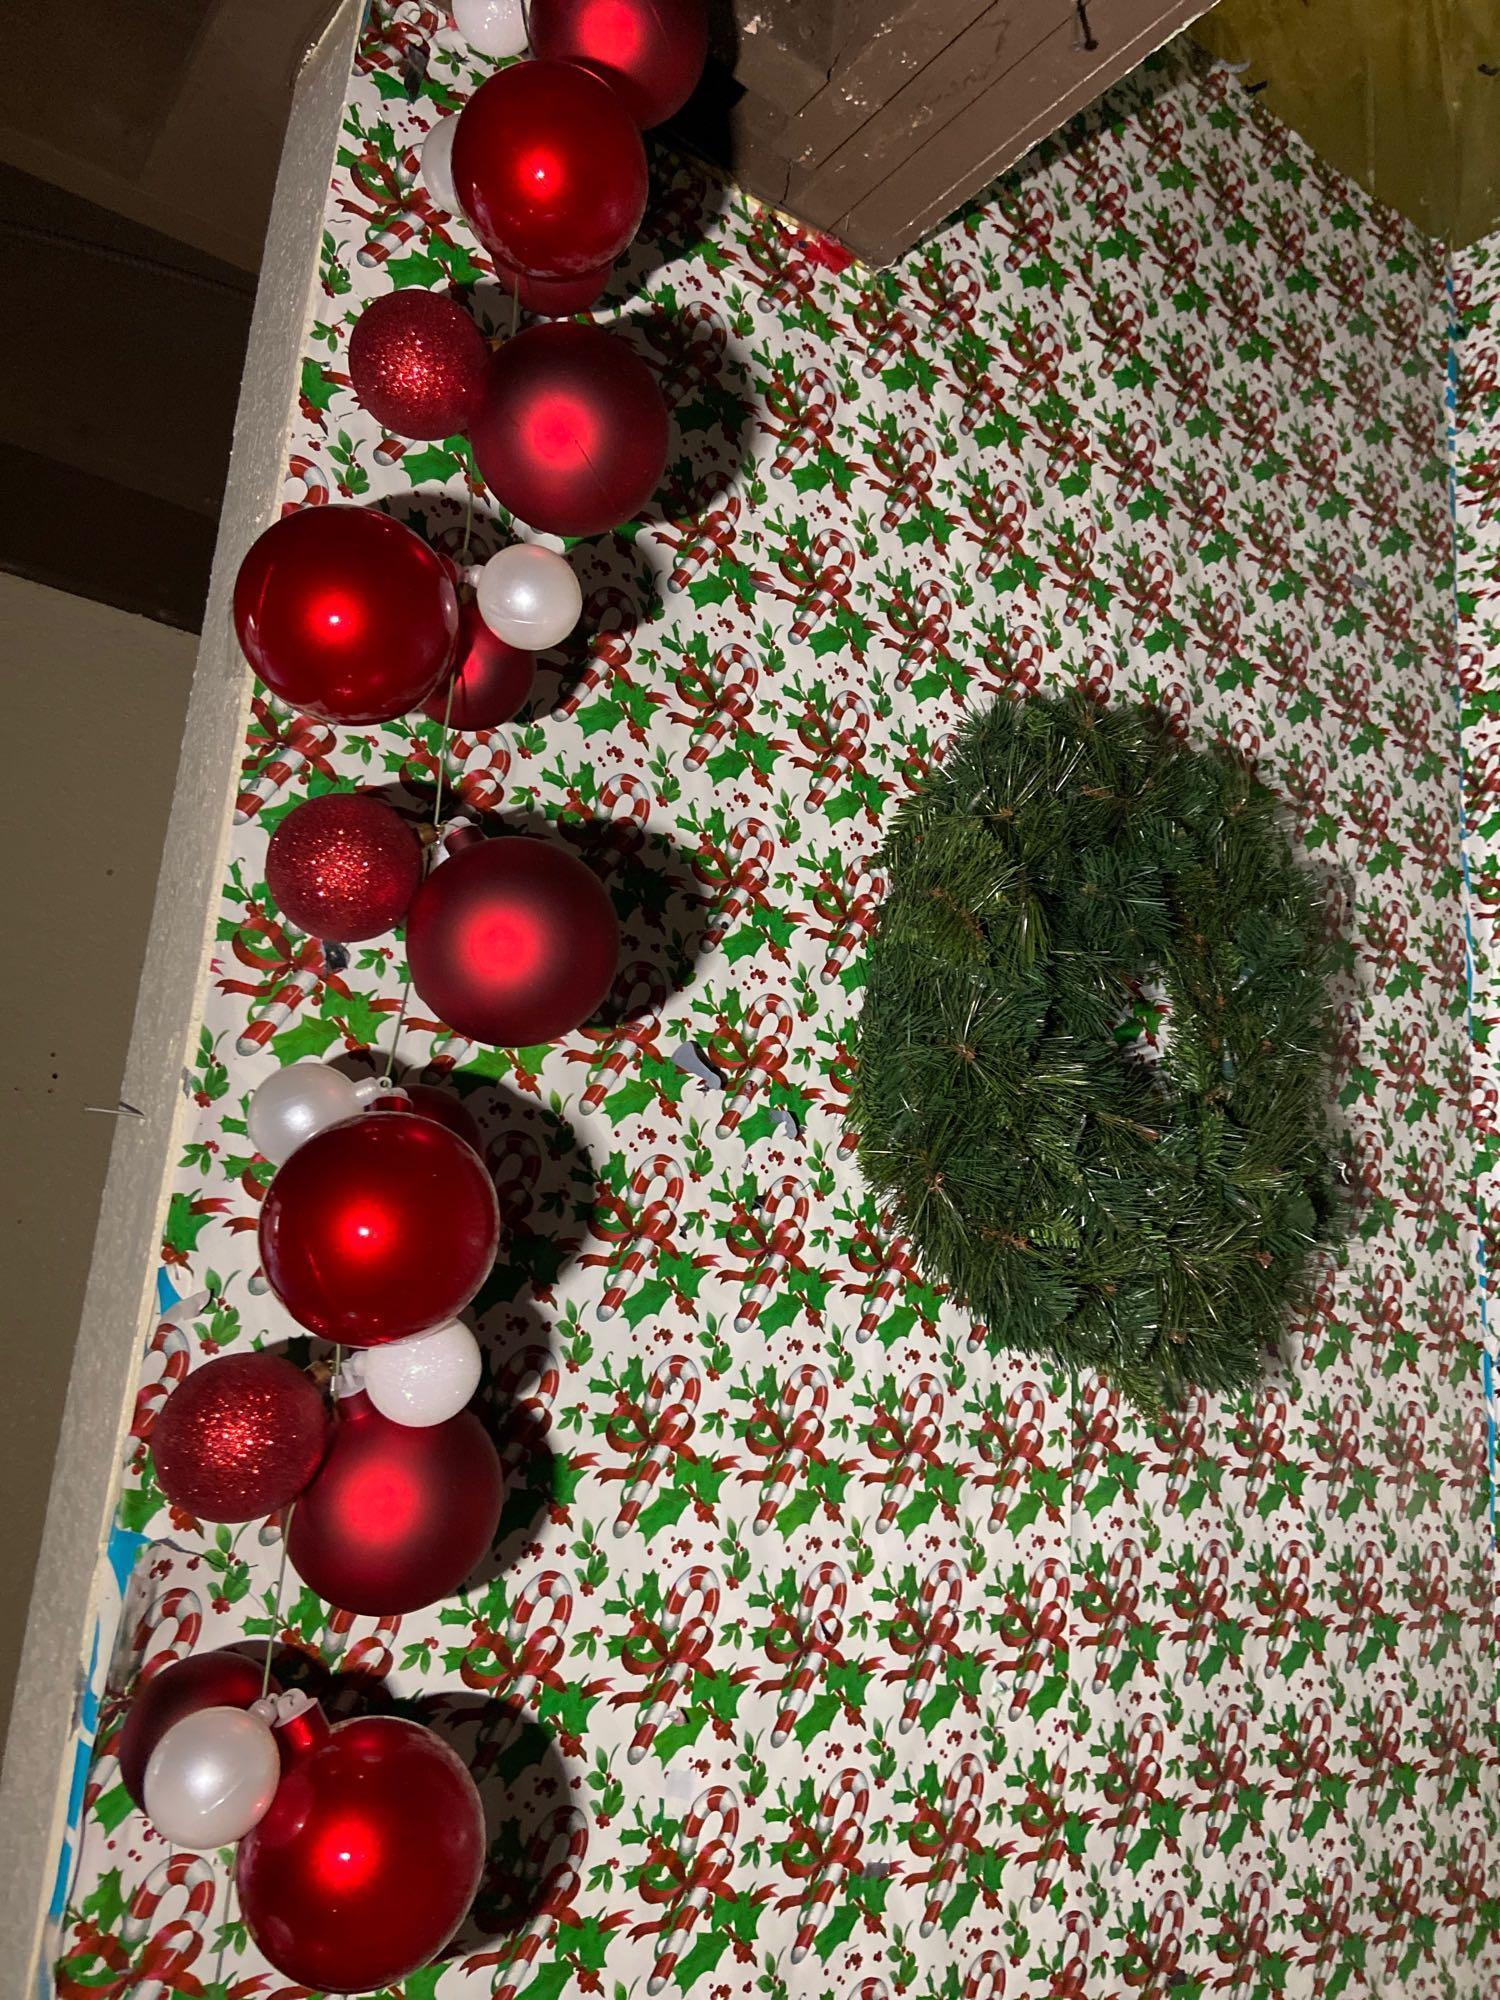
1148,1219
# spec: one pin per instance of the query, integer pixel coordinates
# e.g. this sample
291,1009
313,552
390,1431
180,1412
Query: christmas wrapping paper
827,1649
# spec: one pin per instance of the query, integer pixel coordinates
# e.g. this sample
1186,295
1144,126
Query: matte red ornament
550,169
651,51
377,1228
343,866
346,614
369,1857
225,1679
239,1437
553,298
571,434
416,363
489,683
398,1516
512,941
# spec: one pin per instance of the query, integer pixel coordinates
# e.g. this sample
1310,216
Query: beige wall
96,699
171,111
134,731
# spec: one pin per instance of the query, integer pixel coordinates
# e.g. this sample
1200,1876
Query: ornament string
265,1676
265,1689
442,769
226,1929
437,807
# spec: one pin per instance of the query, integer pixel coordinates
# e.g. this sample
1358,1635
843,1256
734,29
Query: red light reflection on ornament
507,943
347,1854
611,33
384,1500
540,169
558,429
338,618
365,1229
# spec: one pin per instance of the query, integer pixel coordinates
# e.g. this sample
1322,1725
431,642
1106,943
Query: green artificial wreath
1148,1219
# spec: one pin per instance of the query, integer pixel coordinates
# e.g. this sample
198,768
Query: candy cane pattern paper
831,1648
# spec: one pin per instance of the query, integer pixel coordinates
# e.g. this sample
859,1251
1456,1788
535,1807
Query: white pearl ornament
437,165
424,1379
491,27
304,1098
211,1778
529,597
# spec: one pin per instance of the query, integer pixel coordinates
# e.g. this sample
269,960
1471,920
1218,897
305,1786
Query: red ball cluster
387,1225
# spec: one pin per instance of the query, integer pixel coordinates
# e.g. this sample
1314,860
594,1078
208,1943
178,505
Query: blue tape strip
1481,1269
121,1553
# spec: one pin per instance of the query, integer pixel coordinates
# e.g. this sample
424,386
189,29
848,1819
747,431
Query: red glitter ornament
550,169
346,614
239,1437
572,432
651,51
369,1856
225,1679
343,866
377,1228
512,941
489,683
416,363
398,1516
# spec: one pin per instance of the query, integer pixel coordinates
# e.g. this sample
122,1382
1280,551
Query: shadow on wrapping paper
516,1762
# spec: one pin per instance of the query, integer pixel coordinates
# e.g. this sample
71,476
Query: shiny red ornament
490,680
225,1679
343,866
368,1858
571,433
512,941
553,298
377,1228
550,169
239,1437
398,1516
416,363
346,614
651,51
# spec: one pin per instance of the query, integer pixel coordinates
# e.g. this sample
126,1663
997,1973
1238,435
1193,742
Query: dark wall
122,357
